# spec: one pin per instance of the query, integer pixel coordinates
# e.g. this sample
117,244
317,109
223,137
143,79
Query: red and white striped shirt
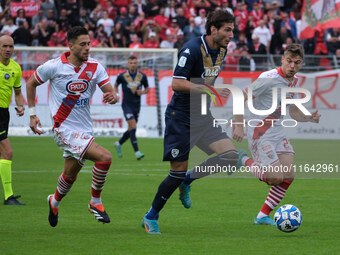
71,89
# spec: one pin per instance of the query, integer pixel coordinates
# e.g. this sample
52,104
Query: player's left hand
110,98
238,133
315,117
20,110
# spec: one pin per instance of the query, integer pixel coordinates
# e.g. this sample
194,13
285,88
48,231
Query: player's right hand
34,121
238,133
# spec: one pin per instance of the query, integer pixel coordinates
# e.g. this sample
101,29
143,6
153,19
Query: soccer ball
288,218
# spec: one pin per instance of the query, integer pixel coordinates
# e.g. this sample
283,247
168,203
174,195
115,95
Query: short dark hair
217,19
132,57
75,32
294,50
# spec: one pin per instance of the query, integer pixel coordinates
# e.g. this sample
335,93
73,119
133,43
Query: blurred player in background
132,82
73,78
268,143
199,63
10,78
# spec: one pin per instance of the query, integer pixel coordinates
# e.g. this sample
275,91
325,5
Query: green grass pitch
219,222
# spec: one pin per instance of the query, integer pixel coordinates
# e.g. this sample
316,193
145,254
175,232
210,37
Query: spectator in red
94,42
140,21
188,11
54,42
135,42
152,42
173,30
256,13
111,9
163,22
232,60
242,12
62,35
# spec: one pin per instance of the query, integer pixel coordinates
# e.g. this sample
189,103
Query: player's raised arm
31,87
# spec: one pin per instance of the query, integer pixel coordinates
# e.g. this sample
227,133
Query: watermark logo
238,100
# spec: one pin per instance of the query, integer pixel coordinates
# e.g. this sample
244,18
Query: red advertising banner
31,8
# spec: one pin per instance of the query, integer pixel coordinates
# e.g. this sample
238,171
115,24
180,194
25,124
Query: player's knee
8,154
228,158
274,177
289,176
105,156
274,180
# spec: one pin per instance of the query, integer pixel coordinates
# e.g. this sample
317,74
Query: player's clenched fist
110,98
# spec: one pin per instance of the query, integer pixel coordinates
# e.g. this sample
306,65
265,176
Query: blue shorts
178,140
130,113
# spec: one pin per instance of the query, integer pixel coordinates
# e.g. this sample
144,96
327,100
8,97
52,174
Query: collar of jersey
64,58
279,70
206,47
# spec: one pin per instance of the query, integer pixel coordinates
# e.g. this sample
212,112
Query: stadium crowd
261,26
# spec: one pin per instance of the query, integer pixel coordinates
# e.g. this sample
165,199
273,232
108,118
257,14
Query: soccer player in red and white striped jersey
273,155
73,78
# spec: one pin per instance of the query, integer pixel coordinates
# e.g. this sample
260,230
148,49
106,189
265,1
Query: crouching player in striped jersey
73,78
273,155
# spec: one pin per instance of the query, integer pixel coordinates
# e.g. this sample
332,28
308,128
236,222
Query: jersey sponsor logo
211,72
7,76
133,84
64,75
77,87
74,103
182,61
174,153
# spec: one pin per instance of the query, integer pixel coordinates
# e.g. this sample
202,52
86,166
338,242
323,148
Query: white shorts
73,143
265,151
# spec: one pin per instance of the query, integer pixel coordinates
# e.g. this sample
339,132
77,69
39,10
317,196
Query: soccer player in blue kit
132,82
199,64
